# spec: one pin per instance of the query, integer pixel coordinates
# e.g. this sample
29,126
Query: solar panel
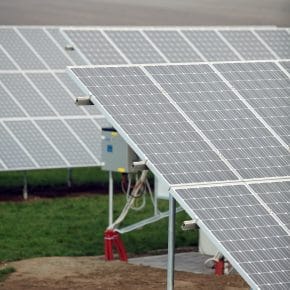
253,50
29,135
18,49
277,197
34,88
213,148
63,43
135,46
94,46
266,88
211,45
173,46
41,43
241,227
278,41
195,99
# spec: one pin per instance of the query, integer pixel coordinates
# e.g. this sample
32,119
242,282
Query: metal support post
111,188
171,243
69,175
25,190
156,211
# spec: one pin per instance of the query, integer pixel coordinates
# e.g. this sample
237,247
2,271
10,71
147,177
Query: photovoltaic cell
96,48
11,153
135,46
251,236
210,45
266,88
247,44
18,50
154,124
278,41
173,46
26,95
224,119
34,142
277,197
66,142
45,48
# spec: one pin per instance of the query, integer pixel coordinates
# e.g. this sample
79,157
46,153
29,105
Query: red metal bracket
113,239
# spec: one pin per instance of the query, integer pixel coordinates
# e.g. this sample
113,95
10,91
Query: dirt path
93,273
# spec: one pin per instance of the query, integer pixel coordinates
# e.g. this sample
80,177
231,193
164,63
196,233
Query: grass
4,273
75,227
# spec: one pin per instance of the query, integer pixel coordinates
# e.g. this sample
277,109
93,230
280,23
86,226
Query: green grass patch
4,273
75,227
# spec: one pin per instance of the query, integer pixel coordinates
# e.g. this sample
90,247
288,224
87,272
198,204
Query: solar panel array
38,127
34,86
216,132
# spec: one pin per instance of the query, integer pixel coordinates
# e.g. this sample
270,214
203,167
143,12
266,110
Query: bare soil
88,273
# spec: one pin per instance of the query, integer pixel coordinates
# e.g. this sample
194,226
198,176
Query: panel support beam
171,243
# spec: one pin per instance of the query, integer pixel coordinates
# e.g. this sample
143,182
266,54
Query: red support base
219,267
112,238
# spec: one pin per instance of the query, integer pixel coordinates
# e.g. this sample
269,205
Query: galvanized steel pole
171,243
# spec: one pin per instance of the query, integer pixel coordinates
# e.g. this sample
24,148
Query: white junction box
161,189
205,246
117,155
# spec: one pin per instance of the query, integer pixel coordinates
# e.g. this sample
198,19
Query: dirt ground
88,273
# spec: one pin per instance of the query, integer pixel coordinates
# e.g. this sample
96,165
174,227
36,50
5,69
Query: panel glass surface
135,46
8,108
278,41
5,62
225,120
286,65
56,94
45,48
66,142
89,133
11,153
173,46
35,143
240,223
247,45
18,50
26,95
212,47
266,88
96,48
154,125
277,197
63,42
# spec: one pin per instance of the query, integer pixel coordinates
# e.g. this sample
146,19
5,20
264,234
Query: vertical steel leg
69,171
25,190
171,243
111,188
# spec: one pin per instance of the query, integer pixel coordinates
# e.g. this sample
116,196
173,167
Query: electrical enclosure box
117,155
161,189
